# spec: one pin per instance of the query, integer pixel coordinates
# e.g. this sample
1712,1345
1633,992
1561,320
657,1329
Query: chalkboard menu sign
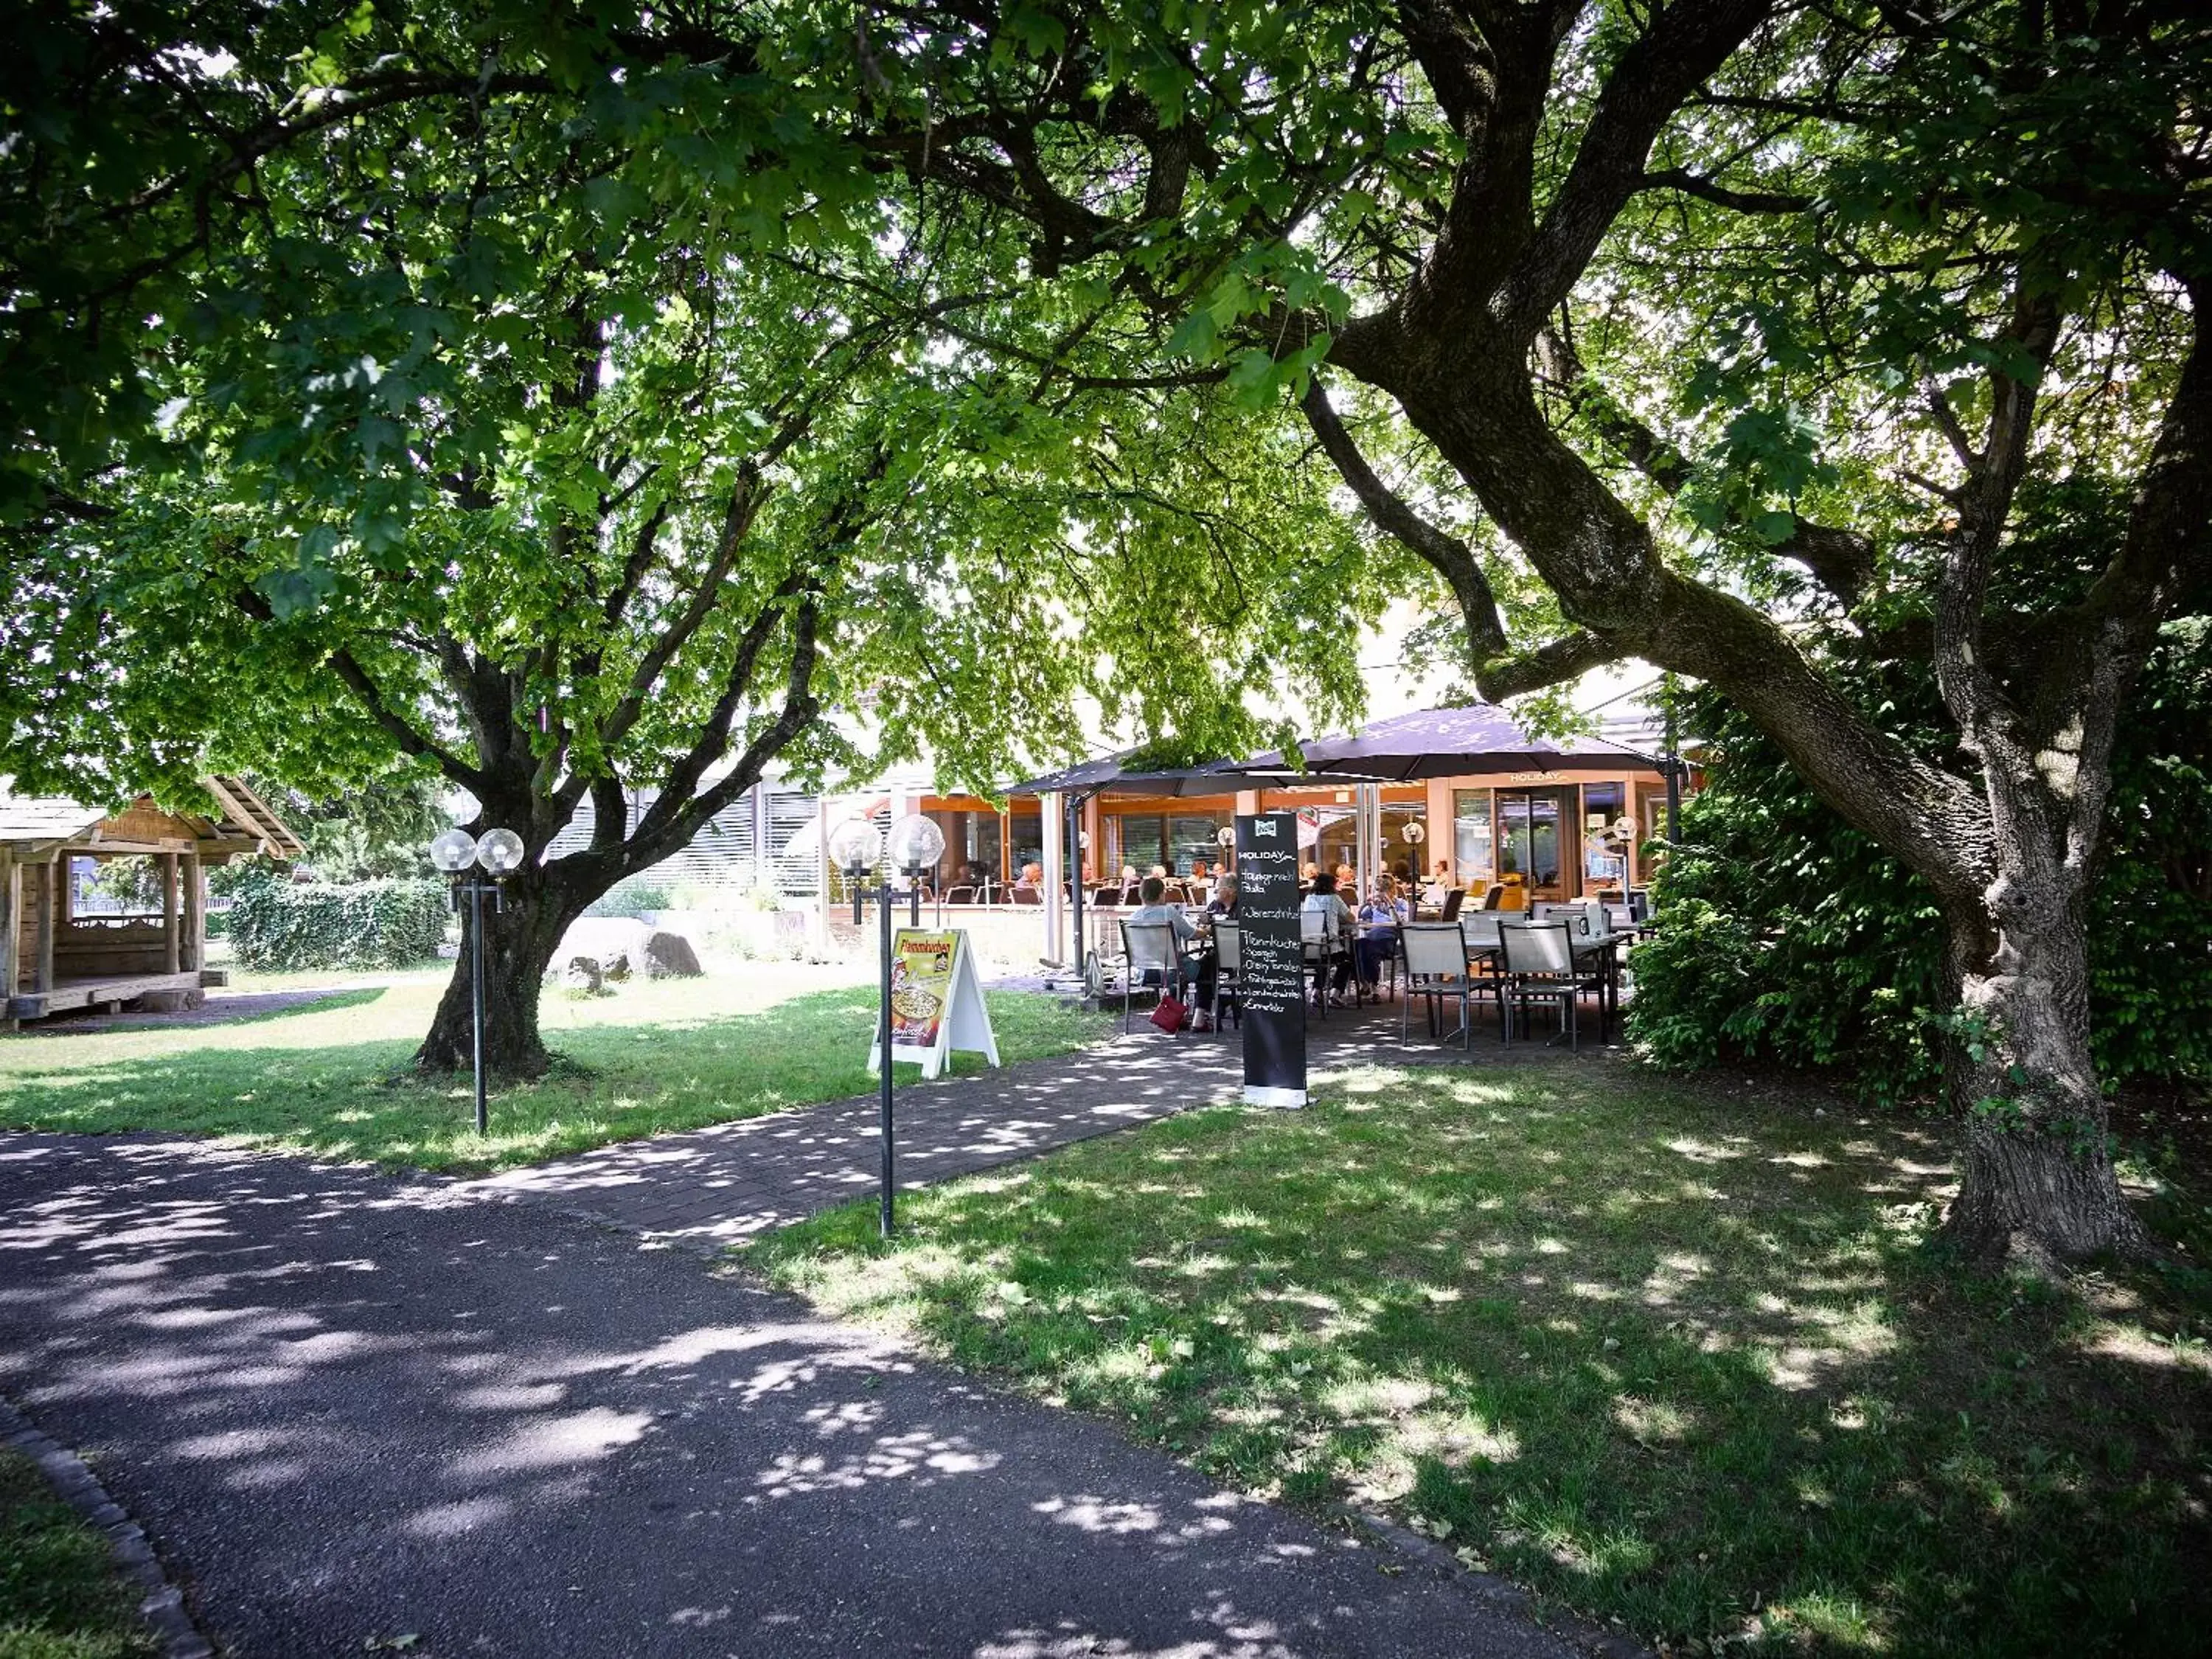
1270,989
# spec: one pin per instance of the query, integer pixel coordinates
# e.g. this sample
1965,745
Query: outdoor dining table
1606,946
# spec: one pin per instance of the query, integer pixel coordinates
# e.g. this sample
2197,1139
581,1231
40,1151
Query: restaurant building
1462,793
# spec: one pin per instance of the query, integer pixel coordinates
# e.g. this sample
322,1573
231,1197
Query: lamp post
916,844
496,852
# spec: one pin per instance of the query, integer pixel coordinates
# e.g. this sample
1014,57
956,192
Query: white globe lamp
453,852
916,844
854,845
500,851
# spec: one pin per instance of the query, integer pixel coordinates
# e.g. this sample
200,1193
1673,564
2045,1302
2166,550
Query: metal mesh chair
1323,949
1149,948
1228,970
1539,966
1434,956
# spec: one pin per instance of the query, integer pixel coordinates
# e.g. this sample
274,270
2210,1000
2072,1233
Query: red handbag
1170,1016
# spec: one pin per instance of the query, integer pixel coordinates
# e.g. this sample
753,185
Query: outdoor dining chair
1228,972
1453,900
1149,948
1434,956
1539,965
1321,949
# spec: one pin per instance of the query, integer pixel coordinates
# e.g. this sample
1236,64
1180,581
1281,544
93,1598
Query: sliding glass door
1533,826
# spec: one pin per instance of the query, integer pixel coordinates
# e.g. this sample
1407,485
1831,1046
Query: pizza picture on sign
921,983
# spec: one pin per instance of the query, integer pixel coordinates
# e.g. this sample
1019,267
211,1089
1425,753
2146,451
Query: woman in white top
1336,934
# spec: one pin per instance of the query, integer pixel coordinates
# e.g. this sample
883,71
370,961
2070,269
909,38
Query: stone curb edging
161,1604
1501,1593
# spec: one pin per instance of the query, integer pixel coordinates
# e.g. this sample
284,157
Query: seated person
1336,935
1224,903
1154,911
1439,884
1381,916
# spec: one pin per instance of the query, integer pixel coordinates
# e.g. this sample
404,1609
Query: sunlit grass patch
1688,1363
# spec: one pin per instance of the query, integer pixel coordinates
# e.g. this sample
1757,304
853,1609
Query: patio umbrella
1449,743
1105,775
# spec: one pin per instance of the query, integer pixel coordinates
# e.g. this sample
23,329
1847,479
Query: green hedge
1790,938
278,926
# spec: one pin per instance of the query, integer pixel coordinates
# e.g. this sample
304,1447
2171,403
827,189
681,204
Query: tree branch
374,703
1738,201
1567,658
1449,557
1684,47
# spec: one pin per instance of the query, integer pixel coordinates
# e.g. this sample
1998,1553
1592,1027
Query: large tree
1705,316
542,399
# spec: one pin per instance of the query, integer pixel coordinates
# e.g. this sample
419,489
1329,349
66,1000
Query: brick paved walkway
723,1185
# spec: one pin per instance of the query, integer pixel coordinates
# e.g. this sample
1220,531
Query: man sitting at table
1154,911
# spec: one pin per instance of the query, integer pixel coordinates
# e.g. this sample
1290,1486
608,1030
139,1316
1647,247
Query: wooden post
11,933
172,943
50,904
195,914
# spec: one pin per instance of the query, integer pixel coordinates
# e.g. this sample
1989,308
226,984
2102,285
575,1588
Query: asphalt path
349,1411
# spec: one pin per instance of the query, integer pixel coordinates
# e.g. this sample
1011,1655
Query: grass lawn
1675,1353
331,1079
60,1597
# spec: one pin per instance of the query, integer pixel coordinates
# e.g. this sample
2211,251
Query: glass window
1473,855
1605,850
1190,841
1142,838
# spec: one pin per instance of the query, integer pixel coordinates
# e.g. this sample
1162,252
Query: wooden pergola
53,959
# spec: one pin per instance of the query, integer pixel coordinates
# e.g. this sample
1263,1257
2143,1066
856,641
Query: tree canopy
564,416
685,340
1710,320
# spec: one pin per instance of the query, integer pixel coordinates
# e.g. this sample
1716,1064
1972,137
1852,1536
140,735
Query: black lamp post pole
476,991
883,897
1075,887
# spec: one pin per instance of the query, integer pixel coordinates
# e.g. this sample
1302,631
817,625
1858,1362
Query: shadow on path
348,1408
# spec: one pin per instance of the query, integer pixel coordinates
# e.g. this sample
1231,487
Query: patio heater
497,854
916,844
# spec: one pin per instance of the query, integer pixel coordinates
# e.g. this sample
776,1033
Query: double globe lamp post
496,854
856,847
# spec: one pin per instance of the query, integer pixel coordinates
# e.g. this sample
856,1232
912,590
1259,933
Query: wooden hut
53,959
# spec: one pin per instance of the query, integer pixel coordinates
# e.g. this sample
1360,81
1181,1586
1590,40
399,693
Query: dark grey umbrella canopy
1106,776
1449,743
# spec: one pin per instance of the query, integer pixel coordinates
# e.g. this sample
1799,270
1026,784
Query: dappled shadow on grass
363,1101
1692,1365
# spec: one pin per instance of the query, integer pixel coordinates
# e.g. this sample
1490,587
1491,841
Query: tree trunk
2036,1183
520,940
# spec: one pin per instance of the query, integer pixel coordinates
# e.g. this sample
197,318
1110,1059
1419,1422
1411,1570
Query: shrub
633,895
1791,938
278,926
